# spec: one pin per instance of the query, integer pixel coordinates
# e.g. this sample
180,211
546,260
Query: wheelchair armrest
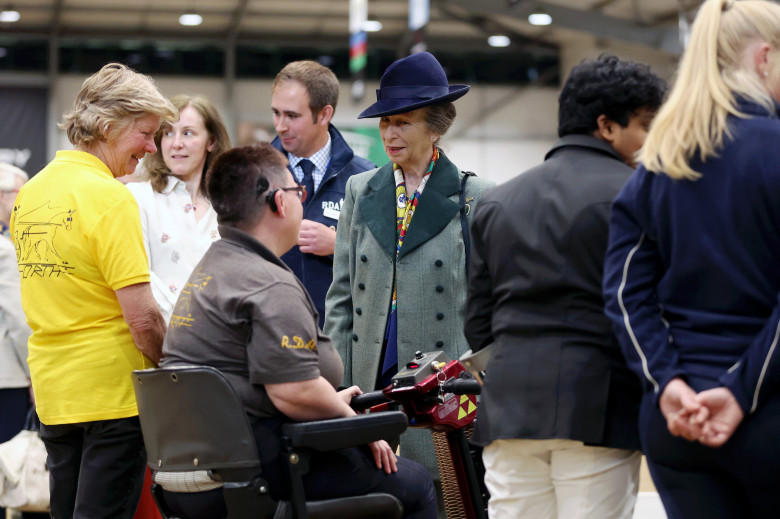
339,433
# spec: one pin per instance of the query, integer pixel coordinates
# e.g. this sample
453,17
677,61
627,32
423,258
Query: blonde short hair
109,101
713,73
7,174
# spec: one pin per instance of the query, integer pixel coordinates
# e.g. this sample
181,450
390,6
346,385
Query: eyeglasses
300,191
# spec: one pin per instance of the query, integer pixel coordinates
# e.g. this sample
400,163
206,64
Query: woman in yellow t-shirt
86,294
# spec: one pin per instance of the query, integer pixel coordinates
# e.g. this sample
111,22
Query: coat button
354,337
439,316
359,311
439,263
363,258
439,288
361,286
439,344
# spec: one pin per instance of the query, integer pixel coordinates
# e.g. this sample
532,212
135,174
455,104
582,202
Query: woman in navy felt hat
399,270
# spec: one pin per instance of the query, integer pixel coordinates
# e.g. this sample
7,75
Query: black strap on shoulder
465,209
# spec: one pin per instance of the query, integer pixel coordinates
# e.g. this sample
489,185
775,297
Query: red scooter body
422,389
417,387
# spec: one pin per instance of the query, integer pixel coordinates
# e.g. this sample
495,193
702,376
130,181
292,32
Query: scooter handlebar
458,386
367,400
462,386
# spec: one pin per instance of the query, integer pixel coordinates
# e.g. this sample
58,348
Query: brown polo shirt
245,313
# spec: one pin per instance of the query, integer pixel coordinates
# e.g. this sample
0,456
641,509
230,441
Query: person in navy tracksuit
304,97
692,272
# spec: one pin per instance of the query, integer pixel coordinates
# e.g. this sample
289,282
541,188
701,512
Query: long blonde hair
712,74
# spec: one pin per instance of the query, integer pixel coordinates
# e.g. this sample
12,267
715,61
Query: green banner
366,142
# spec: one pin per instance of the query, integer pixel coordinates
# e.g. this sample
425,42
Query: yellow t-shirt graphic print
34,239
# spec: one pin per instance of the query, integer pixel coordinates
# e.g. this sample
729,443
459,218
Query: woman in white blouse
178,221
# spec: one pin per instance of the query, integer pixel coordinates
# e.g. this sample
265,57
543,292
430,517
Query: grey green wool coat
431,270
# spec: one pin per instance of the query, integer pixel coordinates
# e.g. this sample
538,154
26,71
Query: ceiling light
372,26
190,19
539,18
499,40
9,16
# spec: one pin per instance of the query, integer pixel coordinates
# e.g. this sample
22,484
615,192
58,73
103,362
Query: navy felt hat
410,83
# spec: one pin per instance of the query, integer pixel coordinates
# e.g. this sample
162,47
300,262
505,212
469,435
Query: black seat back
192,419
193,422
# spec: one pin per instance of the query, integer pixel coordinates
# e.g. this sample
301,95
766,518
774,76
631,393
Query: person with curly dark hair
558,415
613,99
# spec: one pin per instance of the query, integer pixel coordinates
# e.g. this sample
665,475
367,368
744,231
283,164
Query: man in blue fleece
303,102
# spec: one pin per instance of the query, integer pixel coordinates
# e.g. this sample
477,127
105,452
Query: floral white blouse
175,240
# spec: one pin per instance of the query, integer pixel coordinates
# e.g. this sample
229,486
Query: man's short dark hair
608,86
234,180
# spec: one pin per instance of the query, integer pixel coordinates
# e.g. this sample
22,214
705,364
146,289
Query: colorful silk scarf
404,211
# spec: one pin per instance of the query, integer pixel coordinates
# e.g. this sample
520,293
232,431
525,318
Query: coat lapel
378,208
435,210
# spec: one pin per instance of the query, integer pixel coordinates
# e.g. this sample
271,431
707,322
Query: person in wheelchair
245,313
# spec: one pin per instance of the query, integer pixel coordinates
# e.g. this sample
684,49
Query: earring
766,73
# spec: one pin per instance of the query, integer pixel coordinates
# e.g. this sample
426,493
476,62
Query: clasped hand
709,417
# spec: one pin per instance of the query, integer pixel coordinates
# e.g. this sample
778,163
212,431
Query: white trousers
560,479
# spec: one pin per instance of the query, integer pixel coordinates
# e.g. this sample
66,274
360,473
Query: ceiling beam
590,21
165,8
489,26
235,18
601,4
56,18
247,37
